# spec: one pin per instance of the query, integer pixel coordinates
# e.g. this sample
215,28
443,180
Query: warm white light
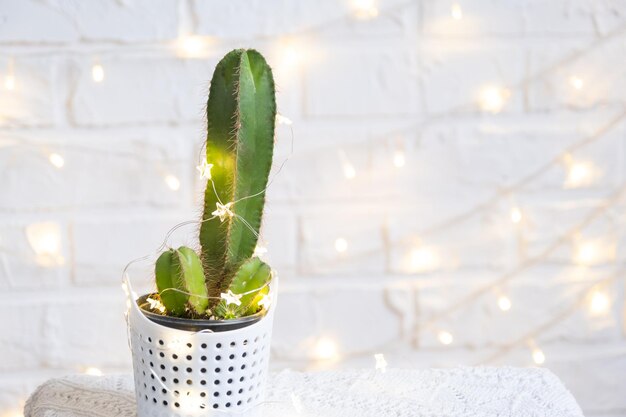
576,82
326,348
456,11
600,303
516,215
348,169
579,174
192,46
93,371
9,82
492,99
259,251
445,338
97,73
282,120
538,356
587,252
45,239
341,245
56,160
399,159
504,303
365,9
423,259
223,211
172,182
205,169
291,56
381,363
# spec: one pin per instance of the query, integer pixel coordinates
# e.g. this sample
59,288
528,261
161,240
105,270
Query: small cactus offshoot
241,114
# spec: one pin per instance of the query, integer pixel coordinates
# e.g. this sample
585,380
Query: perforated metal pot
183,367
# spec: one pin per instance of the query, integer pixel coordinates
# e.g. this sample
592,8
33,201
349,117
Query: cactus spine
241,112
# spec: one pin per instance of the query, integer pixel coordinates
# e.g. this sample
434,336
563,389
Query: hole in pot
189,382
189,357
203,346
163,379
240,390
245,342
232,344
203,394
216,394
202,358
243,366
176,405
189,369
229,393
175,368
202,382
231,356
164,402
174,356
230,381
161,342
241,379
230,369
227,404
215,406
239,402
244,354
203,370
189,344
216,382
218,346
175,380
161,354
217,370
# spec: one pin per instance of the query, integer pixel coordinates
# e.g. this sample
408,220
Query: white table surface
434,392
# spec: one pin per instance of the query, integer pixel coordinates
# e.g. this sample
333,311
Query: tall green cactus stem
241,112
180,281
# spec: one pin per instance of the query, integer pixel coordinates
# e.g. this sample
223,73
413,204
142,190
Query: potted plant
201,341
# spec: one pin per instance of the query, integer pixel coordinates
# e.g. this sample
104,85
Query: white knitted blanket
476,392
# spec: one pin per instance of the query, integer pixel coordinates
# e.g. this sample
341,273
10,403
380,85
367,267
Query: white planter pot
183,373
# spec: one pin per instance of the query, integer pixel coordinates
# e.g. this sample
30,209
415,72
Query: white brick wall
426,242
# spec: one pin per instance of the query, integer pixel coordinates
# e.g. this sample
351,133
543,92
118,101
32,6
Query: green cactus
180,281
253,275
241,113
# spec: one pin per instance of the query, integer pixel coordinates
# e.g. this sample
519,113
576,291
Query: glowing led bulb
280,119
341,245
579,174
516,215
538,356
326,348
365,9
399,159
445,338
587,253
348,169
492,99
97,73
192,46
9,82
599,303
381,363
456,11
56,160
576,82
172,182
45,239
504,303
93,371
423,259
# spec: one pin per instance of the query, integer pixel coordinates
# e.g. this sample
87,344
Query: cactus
180,281
241,112
253,275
